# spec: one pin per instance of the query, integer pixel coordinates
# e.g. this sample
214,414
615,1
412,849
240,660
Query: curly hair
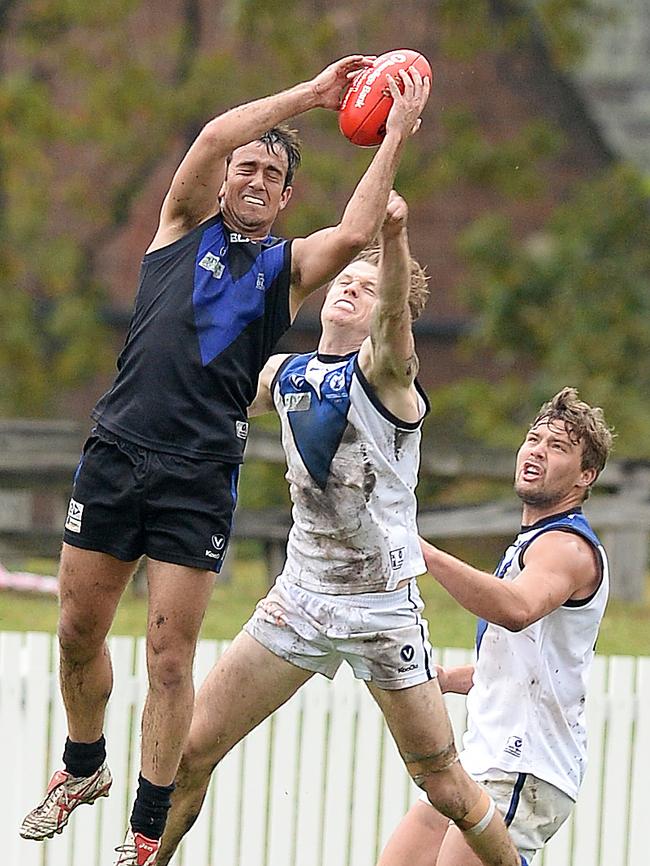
584,423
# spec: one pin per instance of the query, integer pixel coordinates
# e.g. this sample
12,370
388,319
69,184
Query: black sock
152,803
83,759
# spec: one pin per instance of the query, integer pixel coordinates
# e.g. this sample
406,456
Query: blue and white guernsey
352,469
526,709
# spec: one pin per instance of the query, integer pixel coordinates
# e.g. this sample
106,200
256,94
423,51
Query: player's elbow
516,618
353,240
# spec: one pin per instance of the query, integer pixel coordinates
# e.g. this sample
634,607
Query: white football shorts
381,635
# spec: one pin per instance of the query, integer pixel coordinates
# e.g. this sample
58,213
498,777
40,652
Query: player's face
253,191
351,298
549,467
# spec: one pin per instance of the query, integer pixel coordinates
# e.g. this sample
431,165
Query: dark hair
584,423
286,138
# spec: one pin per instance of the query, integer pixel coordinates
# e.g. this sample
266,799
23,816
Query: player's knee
169,667
471,811
79,637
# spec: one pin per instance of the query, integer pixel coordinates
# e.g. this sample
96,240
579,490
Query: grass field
625,629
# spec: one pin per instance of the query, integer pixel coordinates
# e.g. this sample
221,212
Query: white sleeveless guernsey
352,472
526,709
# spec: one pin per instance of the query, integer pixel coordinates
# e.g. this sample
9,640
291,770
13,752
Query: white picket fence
318,784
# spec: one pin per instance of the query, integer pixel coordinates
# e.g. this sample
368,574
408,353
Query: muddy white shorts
533,810
381,635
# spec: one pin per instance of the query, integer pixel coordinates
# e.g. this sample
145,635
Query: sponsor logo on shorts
75,512
297,402
397,558
513,746
412,667
241,429
212,263
218,542
407,653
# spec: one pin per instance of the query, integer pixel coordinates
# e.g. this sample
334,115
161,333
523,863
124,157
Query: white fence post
319,784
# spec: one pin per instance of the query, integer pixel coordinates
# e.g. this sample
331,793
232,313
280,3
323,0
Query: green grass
625,629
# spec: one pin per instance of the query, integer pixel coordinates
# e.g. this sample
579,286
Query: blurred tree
569,306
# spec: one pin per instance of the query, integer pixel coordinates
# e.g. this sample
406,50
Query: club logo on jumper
75,512
397,558
212,263
337,380
297,381
260,282
219,544
513,746
297,402
241,429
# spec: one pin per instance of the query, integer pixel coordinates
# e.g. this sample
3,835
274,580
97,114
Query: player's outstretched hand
330,84
397,212
407,107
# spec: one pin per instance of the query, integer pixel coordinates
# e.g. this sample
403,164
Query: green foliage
568,307
88,112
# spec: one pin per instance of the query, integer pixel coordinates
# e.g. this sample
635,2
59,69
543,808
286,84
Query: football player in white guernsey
351,415
540,613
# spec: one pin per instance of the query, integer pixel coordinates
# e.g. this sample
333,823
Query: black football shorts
128,501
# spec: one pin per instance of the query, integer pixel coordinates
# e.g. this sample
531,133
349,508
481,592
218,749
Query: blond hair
418,291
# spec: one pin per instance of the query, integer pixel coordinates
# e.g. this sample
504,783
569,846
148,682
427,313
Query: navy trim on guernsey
572,521
578,526
514,800
209,310
379,406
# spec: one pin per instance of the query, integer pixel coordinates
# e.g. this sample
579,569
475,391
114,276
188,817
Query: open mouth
346,305
252,199
531,471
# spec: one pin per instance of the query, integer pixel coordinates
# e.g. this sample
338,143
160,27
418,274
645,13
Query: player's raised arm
388,358
319,257
193,194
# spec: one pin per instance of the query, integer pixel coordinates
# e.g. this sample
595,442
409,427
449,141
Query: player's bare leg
454,850
178,597
247,684
417,838
419,723
90,587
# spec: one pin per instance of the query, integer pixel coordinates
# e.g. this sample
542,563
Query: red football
367,101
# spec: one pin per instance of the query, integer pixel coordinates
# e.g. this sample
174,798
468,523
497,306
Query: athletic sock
83,759
150,809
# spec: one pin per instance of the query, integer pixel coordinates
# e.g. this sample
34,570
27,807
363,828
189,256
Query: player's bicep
393,344
556,566
317,259
194,190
